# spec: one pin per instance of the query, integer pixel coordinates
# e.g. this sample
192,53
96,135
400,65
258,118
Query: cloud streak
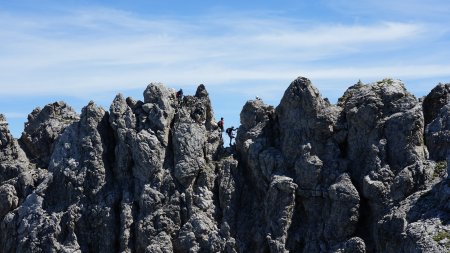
86,51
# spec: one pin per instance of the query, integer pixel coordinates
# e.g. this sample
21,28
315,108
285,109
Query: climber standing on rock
220,124
230,131
180,96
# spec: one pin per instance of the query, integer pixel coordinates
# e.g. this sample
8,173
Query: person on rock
230,133
220,124
180,96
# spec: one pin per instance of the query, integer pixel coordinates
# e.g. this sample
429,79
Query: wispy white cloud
181,44
82,52
342,35
101,49
93,53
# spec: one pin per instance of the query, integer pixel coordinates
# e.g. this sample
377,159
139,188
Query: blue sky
79,51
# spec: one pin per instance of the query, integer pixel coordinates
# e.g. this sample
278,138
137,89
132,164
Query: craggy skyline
79,51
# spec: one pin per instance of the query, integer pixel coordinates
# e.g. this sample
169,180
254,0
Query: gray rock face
304,117
12,158
437,135
435,100
306,176
8,199
384,123
43,128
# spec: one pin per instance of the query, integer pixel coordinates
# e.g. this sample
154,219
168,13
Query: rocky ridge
369,174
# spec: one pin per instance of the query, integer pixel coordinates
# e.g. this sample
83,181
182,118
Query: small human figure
180,96
230,131
220,124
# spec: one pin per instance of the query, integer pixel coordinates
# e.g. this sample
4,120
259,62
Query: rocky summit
368,174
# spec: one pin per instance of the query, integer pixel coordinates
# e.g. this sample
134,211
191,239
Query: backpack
229,130
220,124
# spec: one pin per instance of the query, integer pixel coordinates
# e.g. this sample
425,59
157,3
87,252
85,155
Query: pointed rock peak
302,94
390,87
121,113
12,158
132,103
302,88
2,119
119,97
201,91
435,100
255,111
386,91
349,93
441,87
4,130
119,105
59,110
158,93
92,111
43,129
91,105
59,104
302,80
303,85
153,92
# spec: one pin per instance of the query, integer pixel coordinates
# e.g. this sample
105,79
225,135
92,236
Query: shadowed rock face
44,126
306,176
435,100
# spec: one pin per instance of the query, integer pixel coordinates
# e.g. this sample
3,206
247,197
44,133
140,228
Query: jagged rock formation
12,159
44,126
436,112
368,174
435,100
